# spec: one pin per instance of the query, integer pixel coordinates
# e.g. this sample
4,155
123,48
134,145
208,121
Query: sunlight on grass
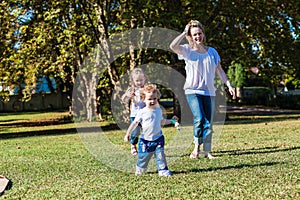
258,158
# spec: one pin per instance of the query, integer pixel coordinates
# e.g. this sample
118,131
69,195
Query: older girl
133,94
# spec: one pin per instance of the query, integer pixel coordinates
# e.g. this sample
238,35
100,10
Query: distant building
41,98
41,86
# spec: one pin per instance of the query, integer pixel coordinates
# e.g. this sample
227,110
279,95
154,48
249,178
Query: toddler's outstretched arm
132,126
169,121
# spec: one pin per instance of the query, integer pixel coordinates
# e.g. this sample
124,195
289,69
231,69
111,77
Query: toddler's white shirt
151,123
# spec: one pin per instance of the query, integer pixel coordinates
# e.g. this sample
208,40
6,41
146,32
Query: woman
202,62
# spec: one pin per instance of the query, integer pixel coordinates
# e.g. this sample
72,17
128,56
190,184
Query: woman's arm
225,80
175,44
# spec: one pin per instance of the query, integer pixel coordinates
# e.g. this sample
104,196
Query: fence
38,102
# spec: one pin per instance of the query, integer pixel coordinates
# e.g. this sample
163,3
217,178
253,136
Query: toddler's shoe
139,170
164,173
137,173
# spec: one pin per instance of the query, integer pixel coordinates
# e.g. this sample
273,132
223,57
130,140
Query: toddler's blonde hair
150,88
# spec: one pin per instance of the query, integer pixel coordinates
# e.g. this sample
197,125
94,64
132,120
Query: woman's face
197,35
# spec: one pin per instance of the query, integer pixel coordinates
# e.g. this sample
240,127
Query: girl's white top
136,103
150,120
200,70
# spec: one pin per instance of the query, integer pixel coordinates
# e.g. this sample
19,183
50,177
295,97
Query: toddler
151,138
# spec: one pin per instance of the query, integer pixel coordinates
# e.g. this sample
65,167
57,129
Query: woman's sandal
133,150
208,155
194,155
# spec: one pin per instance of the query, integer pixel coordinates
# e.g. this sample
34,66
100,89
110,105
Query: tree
9,76
237,76
54,39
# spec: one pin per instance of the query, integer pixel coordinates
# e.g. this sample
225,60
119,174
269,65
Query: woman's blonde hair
136,72
194,23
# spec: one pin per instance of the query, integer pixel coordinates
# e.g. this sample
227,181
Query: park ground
258,157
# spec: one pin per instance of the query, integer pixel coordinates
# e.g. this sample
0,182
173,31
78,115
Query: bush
288,101
257,96
263,96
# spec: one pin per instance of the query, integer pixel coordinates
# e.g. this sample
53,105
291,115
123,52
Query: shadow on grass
254,151
38,133
55,132
240,166
242,152
253,119
33,124
4,121
210,169
234,117
240,115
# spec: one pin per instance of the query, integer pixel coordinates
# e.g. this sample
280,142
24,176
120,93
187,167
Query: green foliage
240,75
263,96
237,74
296,83
292,83
288,101
257,96
55,37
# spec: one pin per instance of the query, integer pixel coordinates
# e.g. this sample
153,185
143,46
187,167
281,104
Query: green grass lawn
258,158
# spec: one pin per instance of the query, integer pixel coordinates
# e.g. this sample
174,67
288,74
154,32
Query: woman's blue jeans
134,137
202,108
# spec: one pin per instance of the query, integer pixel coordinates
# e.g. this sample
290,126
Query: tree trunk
131,46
